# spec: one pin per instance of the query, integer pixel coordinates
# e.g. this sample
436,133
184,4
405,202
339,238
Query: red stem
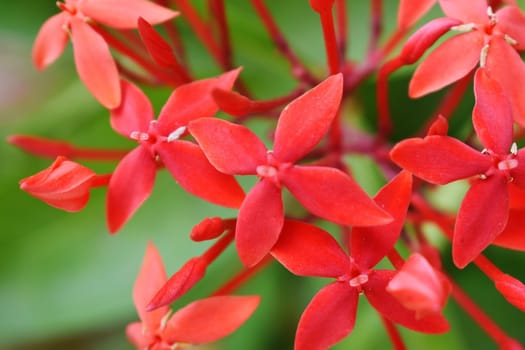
101,180
342,27
376,24
218,247
383,105
217,9
242,277
332,51
393,334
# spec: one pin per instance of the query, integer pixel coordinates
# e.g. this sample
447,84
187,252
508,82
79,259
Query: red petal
482,216
492,115
502,59
50,41
178,284
193,100
518,176
333,195
511,21
439,159
512,236
460,54
231,148
135,113
439,127
232,102
151,278
259,222
307,250
425,37
306,120
388,306
188,165
512,289
210,319
410,11
130,185
207,229
157,47
64,185
369,245
328,318
94,63
136,336
466,10
123,14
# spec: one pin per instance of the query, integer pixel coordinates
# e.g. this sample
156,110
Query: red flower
159,143
440,159
200,322
306,250
93,60
64,185
490,38
324,191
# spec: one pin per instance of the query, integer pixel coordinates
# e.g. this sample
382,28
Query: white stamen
510,40
463,28
514,149
483,55
508,164
483,176
358,280
139,136
176,134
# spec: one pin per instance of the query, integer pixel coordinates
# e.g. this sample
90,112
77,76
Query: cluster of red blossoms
205,155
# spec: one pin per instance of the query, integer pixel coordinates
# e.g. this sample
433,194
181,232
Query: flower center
502,163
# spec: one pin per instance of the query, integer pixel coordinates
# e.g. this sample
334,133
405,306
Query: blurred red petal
157,47
321,5
135,113
259,222
136,336
467,11
210,319
369,245
331,194
151,278
95,66
129,186
439,159
328,318
193,101
190,168
481,218
50,41
307,250
512,289
123,14
461,54
304,122
512,236
40,146
492,115
410,11
231,148
388,306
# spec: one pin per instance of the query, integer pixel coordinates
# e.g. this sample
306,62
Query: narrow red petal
331,194
193,101
511,21
188,165
410,11
439,127
467,11
461,54
50,41
231,148
95,66
502,58
512,236
259,222
134,114
151,278
492,115
157,47
123,14
307,250
130,185
368,245
439,159
481,218
306,120
512,289
388,306
210,319
328,318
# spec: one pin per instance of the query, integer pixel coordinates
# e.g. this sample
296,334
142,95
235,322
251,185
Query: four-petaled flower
202,321
324,191
440,159
95,66
160,144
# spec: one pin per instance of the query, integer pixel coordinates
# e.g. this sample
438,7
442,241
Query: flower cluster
381,249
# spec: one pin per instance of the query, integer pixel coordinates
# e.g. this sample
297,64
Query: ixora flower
489,38
441,159
93,60
307,250
64,185
200,322
324,191
160,144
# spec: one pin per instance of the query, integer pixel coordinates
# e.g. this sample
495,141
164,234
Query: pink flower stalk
200,322
95,66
